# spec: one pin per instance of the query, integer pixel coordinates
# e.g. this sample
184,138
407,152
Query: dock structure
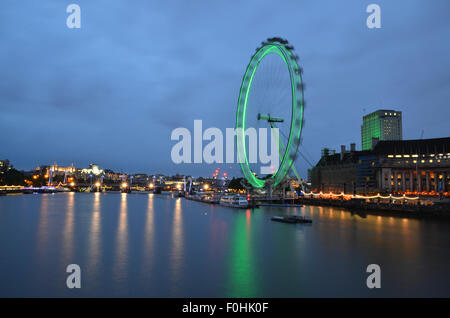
420,207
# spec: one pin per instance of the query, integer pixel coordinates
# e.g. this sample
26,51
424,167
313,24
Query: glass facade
382,124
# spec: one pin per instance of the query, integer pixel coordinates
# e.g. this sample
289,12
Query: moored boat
234,201
291,219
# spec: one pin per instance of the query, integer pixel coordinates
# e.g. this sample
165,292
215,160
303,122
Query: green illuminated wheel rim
283,50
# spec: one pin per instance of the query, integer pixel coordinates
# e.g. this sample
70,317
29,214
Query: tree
12,177
235,184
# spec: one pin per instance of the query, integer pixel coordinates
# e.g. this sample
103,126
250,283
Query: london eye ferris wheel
271,96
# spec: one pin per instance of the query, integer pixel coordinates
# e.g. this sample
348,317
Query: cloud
112,91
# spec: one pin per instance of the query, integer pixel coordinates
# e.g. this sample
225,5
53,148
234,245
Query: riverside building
392,166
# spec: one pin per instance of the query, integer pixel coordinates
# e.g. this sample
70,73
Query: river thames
147,245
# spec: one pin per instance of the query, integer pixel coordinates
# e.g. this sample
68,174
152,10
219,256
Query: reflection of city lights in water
248,216
406,226
149,236
68,230
122,241
42,233
94,235
172,247
242,271
176,258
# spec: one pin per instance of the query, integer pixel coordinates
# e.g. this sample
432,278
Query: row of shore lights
438,157
151,185
357,196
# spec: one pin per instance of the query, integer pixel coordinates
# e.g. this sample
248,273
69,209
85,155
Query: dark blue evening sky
112,91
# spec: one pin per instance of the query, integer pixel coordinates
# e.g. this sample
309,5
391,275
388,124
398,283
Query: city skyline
96,94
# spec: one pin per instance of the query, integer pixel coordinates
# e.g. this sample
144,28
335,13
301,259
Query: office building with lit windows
379,126
420,167
416,166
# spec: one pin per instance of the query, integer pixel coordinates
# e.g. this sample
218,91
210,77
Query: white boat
234,201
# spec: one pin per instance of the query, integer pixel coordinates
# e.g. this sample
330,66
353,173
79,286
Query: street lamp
205,187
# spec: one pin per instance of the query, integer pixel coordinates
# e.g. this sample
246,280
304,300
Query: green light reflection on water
242,280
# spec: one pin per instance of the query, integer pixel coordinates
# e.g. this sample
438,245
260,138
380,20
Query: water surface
145,245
